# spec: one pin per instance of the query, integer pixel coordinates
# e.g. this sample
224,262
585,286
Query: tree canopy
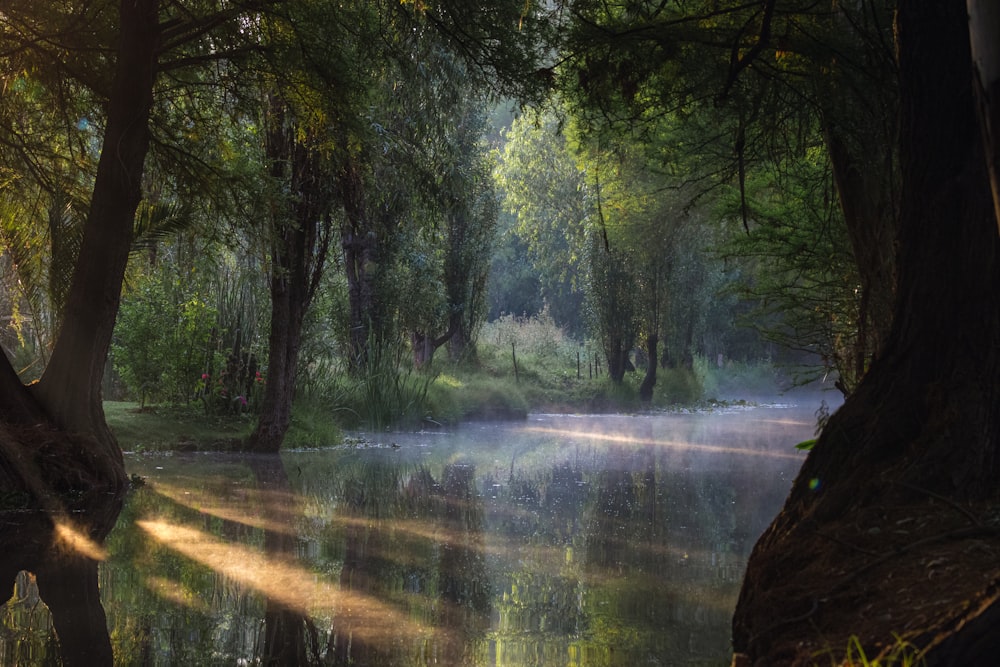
852,158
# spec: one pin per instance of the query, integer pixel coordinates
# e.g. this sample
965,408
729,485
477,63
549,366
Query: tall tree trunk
866,189
927,414
859,121
70,388
984,28
649,380
301,240
360,248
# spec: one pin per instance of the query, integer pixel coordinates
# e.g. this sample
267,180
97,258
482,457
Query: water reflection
559,541
51,556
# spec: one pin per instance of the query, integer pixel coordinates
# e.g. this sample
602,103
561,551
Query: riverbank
449,397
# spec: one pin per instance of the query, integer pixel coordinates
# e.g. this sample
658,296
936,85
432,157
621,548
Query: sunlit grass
901,654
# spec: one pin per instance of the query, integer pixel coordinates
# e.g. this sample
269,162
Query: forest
270,209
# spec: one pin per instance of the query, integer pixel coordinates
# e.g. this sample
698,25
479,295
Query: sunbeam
666,444
285,583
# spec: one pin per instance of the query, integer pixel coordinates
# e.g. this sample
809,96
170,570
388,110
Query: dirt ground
920,580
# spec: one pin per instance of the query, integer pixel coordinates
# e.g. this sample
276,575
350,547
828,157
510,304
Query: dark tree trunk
460,340
301,239
649,381
927,414
866,189
360,247
618,361
47,543
984,26
424,346
69,393
859,120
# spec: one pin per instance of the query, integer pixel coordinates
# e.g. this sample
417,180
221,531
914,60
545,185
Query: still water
561,540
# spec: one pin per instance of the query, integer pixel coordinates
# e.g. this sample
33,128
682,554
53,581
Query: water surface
561,540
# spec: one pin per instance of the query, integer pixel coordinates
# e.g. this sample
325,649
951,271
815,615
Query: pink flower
243,401
204,376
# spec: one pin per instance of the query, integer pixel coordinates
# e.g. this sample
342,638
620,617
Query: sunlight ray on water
291,586
667,444
70,537
602,540
177,593
281,506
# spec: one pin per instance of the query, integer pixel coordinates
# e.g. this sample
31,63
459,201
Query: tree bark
649,380
301,240
865,185
70,389
360,248
424,346
927,414
984,26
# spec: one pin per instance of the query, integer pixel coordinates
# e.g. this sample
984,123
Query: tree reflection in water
289,634
559,541
375,565
51,556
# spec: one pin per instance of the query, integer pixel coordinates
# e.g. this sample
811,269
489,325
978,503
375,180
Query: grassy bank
188,428
446,396
522,366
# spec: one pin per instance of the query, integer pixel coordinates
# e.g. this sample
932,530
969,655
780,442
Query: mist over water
559,540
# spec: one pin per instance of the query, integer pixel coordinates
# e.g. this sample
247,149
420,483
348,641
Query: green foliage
614,304
464,394
186,332
803,283
737,379
142,345
388,391
678,386
312,425
541,185
172,427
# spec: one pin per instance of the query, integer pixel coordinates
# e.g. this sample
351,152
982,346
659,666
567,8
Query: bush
161,338
678,386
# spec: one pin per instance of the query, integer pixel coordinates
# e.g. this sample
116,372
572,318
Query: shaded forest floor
893,580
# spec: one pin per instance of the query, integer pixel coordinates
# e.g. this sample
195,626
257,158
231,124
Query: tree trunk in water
59,546
285,627
927,414
649,381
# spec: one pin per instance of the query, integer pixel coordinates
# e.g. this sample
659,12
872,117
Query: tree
755,83
135,49
300,234
541,184
922,424
803,281
68,394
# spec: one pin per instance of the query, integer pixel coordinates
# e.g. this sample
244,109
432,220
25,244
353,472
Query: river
559,540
